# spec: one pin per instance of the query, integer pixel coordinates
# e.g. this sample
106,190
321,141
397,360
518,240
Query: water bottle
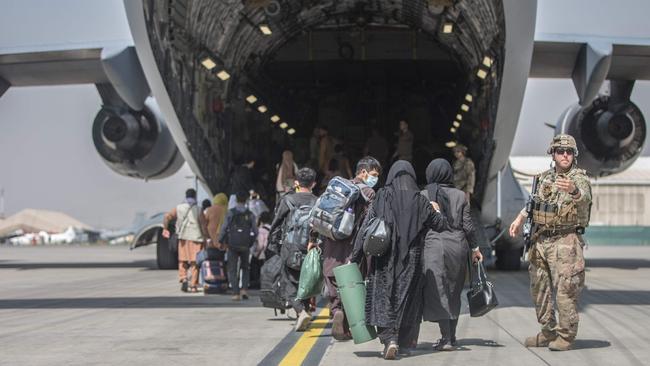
347,223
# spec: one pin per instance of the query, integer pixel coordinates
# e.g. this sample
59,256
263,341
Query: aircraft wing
115,64
589,60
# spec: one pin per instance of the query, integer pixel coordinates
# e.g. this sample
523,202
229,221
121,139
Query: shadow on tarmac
590,343
144,264
155,302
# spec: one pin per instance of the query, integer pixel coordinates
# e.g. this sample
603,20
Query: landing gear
509,259
166,256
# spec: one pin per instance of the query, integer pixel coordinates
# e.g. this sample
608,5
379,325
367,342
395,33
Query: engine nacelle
609,137
136,144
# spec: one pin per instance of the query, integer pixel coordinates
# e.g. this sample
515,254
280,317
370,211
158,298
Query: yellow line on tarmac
299,352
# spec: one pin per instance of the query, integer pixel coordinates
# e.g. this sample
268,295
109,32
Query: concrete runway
109,306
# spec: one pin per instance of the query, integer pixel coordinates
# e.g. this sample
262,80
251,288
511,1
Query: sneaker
391,350
443,344
184,286
540,340
244,295
304,318
235,298
560,344
338,332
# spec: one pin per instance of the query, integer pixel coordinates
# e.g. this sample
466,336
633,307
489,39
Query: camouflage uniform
464,172
556,260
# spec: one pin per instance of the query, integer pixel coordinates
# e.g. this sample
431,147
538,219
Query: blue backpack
333,213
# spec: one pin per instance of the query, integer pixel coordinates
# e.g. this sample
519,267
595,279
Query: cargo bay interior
250,78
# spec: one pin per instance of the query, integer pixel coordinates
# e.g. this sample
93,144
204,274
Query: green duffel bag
311,275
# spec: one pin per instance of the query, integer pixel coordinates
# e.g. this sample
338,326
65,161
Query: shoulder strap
361,187
184,221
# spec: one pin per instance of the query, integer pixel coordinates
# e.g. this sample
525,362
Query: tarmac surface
85,305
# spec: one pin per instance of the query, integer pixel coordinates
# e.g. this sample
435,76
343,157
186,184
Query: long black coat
393,293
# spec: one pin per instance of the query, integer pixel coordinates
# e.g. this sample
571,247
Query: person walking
336,252
394,287
239,232
557,265
444,261
286,173
293,249
191,232
464,171
258,251
215,216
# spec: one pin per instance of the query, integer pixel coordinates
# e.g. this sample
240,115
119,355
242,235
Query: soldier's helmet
563,141
460,147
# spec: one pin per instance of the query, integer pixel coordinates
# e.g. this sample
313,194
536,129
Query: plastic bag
311,275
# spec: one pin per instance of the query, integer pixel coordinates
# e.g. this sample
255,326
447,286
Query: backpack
333,213
240,230
271,285
296,228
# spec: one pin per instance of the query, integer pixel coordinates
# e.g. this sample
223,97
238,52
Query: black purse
481,296
378,236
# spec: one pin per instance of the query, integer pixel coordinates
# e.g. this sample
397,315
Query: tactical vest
187,222
553,208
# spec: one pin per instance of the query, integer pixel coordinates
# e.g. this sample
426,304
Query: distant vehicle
463,64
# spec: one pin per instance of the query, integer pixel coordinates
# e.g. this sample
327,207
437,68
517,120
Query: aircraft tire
166,257
508,259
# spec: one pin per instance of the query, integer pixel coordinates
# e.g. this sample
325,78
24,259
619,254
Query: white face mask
371,181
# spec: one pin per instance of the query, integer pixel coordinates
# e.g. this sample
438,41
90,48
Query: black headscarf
402,206
439,174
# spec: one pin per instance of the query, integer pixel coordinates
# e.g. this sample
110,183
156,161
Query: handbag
378,236
481,296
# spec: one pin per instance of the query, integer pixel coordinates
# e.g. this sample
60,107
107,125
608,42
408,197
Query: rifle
529,225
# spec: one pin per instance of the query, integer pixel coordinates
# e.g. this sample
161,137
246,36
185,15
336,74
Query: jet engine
136,143
610,134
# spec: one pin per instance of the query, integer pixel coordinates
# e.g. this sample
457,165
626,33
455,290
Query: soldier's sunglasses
561,151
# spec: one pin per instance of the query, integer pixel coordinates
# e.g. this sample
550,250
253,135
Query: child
258,250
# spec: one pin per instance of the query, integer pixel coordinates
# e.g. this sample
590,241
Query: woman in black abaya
394,290
444,259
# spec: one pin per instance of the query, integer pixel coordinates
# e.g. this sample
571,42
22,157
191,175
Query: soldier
560,215
464,171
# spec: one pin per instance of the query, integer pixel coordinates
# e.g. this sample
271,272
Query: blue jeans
236,255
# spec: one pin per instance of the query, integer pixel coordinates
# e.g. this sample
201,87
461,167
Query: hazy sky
48,161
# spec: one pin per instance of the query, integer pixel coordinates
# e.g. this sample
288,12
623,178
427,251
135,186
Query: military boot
540,340
560,344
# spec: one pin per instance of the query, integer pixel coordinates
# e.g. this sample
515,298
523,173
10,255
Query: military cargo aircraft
210,82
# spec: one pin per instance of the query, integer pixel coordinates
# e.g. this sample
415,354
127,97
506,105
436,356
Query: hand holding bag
311,275
481,296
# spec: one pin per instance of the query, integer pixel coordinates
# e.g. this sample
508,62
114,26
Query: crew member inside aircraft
325,149
191,232
404,147
464,171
